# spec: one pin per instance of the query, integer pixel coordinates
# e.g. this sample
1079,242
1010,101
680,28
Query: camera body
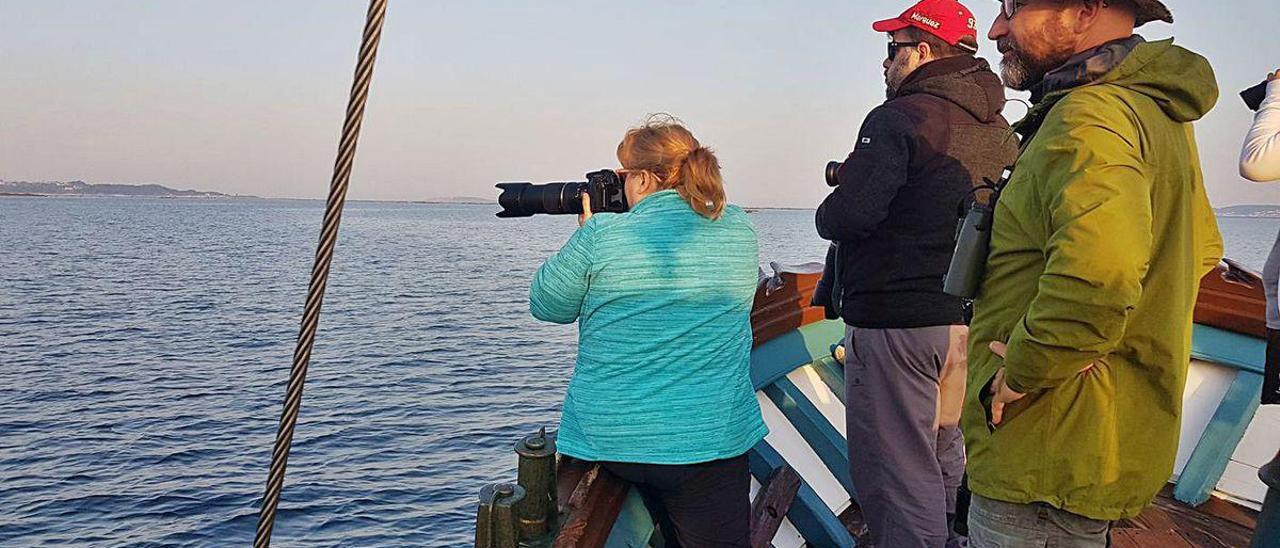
603,187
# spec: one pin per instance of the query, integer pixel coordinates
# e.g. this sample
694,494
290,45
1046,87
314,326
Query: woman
1260,162
661,393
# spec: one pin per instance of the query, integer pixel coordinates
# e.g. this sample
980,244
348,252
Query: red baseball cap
946,19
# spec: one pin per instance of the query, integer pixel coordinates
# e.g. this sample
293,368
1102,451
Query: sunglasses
895,46
624,172
1011,7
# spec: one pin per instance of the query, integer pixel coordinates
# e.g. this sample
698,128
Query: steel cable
320,272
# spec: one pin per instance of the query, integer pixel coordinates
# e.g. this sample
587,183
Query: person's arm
1260,159
869,178
1098,252
560,285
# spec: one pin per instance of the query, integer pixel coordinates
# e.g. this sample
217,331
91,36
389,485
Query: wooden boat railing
1228,316
1231,298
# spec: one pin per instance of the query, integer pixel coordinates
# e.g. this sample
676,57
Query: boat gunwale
789,334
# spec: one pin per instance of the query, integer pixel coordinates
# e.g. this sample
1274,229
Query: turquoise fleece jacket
662,297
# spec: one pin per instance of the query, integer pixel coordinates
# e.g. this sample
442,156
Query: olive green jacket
1099,243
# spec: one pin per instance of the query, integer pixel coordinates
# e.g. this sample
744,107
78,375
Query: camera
833,173
1254,96
604,187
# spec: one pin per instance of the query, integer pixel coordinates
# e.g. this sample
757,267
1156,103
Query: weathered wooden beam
813,519
569,472
771,505
591,509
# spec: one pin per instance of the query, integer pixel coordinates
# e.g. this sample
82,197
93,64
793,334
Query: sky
248,97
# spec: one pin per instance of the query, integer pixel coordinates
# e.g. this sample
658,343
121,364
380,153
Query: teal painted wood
778,357
1220,438
1228,348
634,526
816,430
832,374
819,526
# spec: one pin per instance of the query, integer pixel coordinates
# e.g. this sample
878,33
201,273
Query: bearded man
917,156
1082,327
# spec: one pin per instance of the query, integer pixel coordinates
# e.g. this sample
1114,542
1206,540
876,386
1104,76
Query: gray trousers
905,470
997,524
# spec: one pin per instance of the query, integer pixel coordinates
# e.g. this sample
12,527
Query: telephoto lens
833,173
527,199
605,189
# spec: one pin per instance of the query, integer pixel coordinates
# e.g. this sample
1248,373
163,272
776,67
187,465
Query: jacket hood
966,81
1180,81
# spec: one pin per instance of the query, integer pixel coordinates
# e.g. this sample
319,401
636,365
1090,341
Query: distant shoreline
48,189
1264,217
130,196
356,200
1264,212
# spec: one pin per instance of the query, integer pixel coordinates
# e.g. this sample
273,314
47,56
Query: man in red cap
893,216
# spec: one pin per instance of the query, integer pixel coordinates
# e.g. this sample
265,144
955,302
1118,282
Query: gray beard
1021,71
1017,75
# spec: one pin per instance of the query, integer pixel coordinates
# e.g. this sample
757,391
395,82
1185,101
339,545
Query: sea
145,345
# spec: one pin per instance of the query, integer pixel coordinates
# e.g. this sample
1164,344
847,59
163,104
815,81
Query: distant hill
81,188
1258,211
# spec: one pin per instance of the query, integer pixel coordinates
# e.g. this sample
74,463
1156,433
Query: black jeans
695,505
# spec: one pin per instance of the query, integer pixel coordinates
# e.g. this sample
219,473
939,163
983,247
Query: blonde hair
665,148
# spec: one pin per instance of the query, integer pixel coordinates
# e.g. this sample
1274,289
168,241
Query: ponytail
698,182
667,149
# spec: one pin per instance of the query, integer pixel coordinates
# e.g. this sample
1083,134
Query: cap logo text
925,20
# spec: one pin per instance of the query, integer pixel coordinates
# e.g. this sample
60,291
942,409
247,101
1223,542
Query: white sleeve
1260,159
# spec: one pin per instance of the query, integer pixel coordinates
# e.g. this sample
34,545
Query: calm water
146,344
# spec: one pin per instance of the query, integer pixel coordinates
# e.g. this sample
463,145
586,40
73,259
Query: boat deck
1167,523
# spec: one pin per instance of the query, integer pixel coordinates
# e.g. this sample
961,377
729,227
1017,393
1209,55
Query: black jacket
894,214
